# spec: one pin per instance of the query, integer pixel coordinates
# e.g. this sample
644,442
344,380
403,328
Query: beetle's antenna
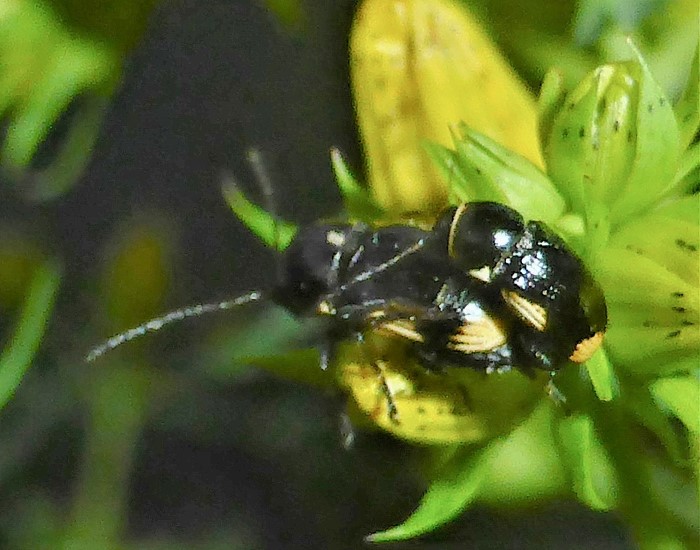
257,163
415,247
172,317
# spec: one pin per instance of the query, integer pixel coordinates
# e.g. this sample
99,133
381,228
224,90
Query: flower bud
419,66
613,145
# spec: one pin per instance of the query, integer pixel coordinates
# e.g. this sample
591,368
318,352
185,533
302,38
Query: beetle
397,280
481,289
561,310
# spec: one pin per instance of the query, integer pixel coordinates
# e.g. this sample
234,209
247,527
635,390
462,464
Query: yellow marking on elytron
335,238
586,348
483,273
480,336
403,329
531,313
461,209
325,308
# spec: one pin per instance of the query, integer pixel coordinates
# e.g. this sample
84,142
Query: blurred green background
117,121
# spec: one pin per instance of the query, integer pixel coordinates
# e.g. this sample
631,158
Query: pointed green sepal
275,233
359,204
592,473
456,486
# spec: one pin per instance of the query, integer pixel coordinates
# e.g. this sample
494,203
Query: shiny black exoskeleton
561,308
396,280
482,289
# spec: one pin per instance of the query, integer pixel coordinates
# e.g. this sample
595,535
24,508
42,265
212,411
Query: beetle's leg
553,392
386,390
326,351
347,431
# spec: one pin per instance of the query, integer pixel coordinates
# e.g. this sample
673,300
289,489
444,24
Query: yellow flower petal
419,66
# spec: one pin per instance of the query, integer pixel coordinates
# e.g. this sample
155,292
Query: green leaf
456,486
275,233
681,396
72,156
358,202
498,174
592,474
118,403
45,65
603,377
18,354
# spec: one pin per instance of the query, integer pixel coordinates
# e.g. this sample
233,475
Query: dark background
254,461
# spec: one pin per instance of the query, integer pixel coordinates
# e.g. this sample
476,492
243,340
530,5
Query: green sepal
447,163
526,466
644,406
359,204
671,243
572,228
494,173
687,109
681,396
568,142
615,142
592,474
657,149
275,233
687,180
676,504
685,208
652,313
602,374
456,486
549,102
23,345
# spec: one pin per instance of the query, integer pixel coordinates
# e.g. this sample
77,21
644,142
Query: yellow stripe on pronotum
417,67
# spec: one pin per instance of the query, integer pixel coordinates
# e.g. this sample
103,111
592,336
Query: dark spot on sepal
685,245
